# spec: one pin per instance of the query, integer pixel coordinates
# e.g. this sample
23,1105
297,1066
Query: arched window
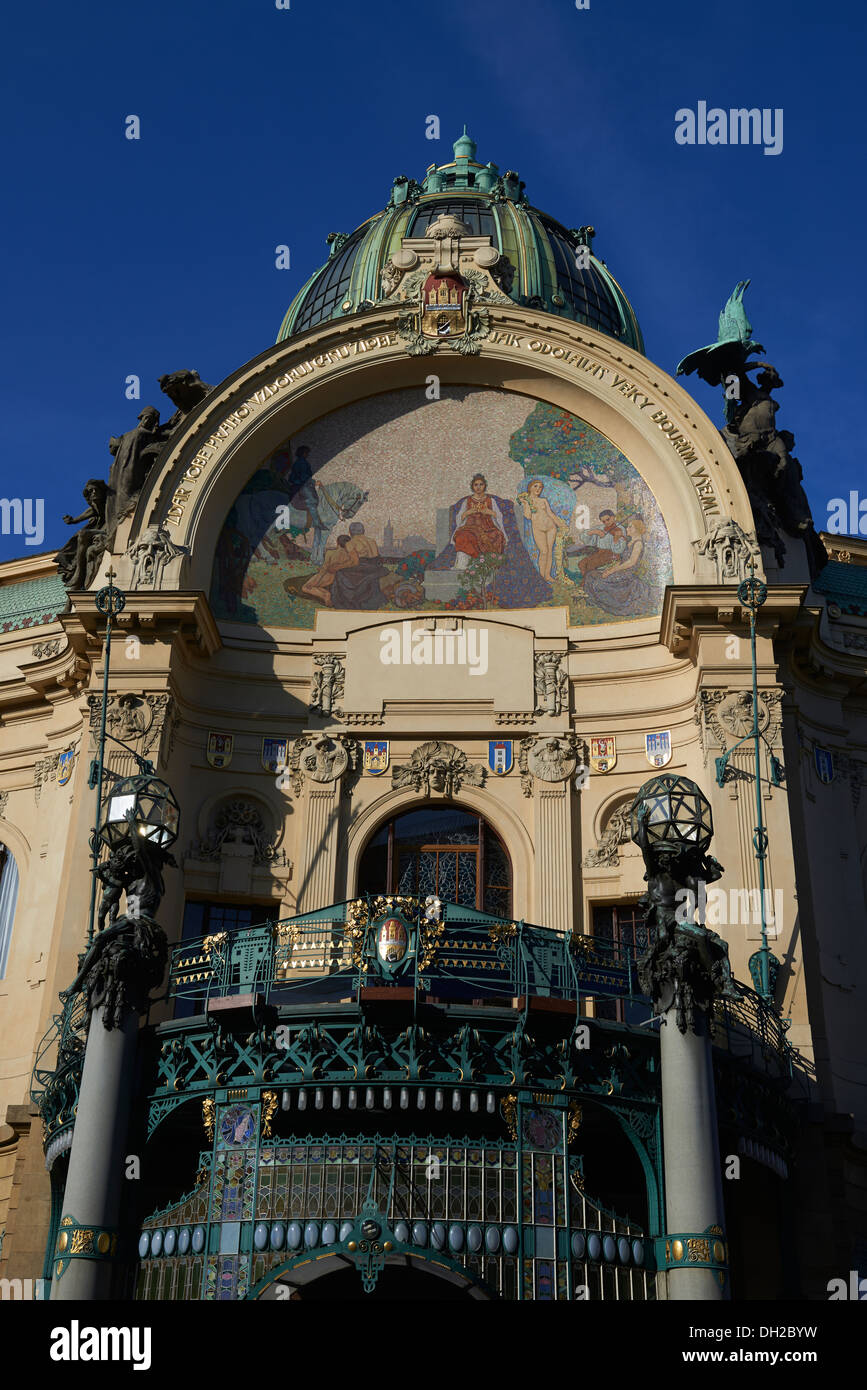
446,850
8,900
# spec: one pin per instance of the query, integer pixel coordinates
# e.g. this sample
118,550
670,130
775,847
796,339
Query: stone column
87,1239
123,964
693,1186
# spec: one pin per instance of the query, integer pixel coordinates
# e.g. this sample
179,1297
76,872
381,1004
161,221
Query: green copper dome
554,266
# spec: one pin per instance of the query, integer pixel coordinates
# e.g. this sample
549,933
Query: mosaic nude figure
546,526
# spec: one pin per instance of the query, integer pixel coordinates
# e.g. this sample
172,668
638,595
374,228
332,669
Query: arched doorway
335,1279
443,849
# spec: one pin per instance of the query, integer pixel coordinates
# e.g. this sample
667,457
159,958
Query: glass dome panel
584,289
326,293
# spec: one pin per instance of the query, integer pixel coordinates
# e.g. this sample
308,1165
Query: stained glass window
472,1184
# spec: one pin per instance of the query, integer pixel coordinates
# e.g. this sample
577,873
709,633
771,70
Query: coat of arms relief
445,279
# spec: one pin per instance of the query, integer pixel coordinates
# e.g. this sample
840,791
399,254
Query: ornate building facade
416,602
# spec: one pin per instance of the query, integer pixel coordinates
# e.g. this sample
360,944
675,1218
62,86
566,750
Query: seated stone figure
79,558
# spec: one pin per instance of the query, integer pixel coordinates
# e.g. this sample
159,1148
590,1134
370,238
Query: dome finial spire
465,146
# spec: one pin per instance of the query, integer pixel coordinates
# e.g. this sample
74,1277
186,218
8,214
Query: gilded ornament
509,1110
573,1124
503,932
269,1106
431,933
357,918
677,1249
209,1116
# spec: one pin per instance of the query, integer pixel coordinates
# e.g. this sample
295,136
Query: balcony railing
452,953
57,1073
449,951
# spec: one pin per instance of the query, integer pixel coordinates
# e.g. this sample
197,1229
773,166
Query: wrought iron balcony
445,952
441,950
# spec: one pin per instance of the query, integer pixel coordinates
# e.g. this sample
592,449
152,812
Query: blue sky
262,126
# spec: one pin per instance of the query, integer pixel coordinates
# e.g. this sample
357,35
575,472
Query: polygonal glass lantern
149,803
670,814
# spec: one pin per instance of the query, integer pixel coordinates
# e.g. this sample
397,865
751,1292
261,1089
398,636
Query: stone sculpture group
134,455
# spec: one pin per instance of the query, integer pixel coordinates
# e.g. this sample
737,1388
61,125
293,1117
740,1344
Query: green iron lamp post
752,593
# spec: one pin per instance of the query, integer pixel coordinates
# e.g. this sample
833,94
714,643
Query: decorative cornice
187,613
690,611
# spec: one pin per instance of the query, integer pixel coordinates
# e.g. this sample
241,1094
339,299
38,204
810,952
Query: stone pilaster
318,870
554,907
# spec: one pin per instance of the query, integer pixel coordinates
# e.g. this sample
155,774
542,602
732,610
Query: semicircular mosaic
482,499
